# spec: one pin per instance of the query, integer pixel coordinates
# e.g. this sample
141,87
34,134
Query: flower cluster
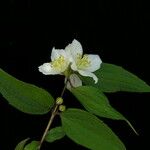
71,62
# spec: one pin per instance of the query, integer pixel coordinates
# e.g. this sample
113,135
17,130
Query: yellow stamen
83,62
59,63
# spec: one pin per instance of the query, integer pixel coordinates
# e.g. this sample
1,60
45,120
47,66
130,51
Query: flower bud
62,108
59,101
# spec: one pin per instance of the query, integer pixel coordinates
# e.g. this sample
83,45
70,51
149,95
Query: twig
53,114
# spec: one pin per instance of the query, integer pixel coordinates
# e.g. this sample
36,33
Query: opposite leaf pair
53,135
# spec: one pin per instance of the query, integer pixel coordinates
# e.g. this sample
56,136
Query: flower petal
47,69
74,49
88,74
68,86
56,53
74,81
95,63
74,66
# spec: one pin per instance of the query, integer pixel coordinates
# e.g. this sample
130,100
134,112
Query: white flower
83,64
60,62
70,61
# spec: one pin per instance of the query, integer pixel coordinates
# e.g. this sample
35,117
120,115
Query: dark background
116,30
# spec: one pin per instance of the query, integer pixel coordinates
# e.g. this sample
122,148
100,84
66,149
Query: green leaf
23,96
114,78
87,130
55,134
97,103
20,145
32,146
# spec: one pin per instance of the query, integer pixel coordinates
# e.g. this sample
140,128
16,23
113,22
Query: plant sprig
87,78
